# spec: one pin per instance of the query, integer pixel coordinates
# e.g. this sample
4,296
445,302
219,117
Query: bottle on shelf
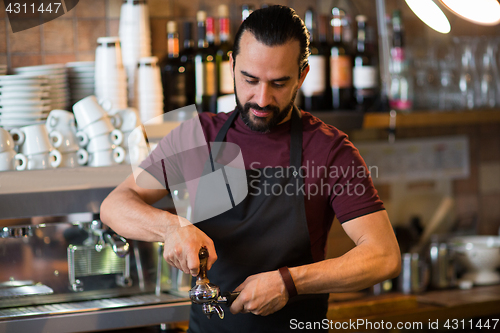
401,83
315,86
340,66
173,72
186,57
205,69
225,79
364,73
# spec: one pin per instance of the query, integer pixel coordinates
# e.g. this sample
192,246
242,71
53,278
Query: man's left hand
261,294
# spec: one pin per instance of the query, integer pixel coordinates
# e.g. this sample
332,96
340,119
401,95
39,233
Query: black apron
262,233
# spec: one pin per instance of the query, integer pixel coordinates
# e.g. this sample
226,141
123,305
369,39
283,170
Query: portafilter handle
202,274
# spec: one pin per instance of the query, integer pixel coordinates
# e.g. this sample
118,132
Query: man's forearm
357,269
128,215
375,258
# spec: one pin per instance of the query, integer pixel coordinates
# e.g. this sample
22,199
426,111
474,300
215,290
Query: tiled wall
73,36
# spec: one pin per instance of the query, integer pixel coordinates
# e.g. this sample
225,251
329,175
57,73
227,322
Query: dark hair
276,25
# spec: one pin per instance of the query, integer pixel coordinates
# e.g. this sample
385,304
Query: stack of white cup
149,90
110,78
9,158
38,146
133,137
98,134
135,36
64,122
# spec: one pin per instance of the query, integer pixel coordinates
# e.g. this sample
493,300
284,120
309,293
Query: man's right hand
182,245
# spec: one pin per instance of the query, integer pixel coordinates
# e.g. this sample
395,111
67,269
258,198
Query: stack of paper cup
37,144
135,36
80,79
149,90
110,77
9,158
98,134
64,122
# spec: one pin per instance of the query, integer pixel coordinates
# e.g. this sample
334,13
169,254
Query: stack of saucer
80,79
3,69
23,100
56,74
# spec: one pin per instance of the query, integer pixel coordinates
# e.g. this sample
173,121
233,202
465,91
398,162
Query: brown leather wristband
287,279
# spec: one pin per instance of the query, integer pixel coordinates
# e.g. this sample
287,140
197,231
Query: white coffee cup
10,160
60,120
107,157
88,111
100,127
37,140
9,139
102,142
48,160
74,159
63,122
115,136
129,119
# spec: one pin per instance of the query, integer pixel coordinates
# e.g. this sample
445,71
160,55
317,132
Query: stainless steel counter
96,315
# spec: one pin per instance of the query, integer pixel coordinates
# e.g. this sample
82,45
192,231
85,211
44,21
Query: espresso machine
75,274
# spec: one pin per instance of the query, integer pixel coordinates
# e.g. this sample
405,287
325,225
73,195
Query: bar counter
454,306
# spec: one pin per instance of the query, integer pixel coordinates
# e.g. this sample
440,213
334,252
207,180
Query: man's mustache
265,108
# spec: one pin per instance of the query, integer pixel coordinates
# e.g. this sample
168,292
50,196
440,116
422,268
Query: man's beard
259,124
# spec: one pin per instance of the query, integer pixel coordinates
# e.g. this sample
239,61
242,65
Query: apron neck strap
296,139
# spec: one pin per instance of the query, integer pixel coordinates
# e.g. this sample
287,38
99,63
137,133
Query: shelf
59,192
433,118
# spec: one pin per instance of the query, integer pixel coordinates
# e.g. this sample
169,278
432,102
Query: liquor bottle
401,84
315,85
206,88
187,59
340,66
173,72
224,79
364,73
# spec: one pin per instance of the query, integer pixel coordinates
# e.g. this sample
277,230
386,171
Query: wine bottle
205,69
315,85
365,73
225,79
173,72
186,57
340,66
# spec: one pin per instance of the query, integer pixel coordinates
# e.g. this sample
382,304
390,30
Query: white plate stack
80,79
149,90
24,100
110,78
58,82
3,69
135,36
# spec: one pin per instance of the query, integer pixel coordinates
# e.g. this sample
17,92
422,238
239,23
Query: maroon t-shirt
336,182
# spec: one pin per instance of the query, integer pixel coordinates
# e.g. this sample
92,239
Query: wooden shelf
433,118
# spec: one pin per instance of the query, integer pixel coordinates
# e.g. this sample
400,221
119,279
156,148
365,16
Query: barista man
272,247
